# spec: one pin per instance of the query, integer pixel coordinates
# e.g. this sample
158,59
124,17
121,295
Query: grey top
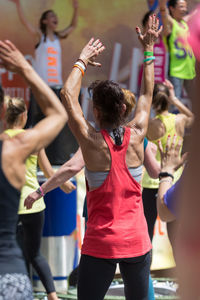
96,179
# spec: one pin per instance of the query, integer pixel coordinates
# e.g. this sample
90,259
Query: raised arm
65,172
167,20
45,131
143,106
188,116
71,89
66,31
31,29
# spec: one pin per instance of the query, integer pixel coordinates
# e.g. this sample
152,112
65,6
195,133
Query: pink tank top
116,226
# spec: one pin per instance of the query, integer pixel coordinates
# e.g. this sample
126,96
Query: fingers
160,147
4,46
184,157
101,49
95,43
173,142
179,145
11,45
157,23
150,22
160,30
168,143
138,31
91,41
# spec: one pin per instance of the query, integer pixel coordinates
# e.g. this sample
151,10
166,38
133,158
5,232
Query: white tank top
47,62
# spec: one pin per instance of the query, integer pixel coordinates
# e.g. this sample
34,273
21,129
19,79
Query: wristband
80,64
77,66
165,174
79,59
148,53
149,58
165,180
40,191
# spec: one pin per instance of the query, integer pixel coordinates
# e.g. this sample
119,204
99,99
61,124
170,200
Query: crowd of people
120,216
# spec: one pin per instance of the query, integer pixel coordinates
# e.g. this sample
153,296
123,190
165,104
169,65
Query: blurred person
32,220
159,128
14,282
48,64
181,58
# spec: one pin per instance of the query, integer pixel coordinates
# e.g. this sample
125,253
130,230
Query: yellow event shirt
31,180
169,122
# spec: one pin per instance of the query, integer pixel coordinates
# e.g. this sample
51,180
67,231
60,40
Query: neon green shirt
169,122
182,60
31,181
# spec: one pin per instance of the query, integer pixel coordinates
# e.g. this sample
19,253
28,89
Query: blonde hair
130,101
14,107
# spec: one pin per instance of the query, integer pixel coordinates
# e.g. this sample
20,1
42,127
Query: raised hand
171,90
91,51
11,58
151,34
170,156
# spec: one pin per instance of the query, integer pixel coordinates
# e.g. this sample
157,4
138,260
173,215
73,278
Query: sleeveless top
47,62
11,260
182,60
31,183
169,122
116,226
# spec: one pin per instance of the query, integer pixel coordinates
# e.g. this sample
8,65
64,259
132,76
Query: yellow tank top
169,122
31,180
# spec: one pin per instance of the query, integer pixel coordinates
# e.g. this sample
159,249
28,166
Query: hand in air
91,51
11,58
170,156
171,90
151,33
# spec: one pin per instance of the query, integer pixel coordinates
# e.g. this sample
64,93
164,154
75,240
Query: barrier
59,242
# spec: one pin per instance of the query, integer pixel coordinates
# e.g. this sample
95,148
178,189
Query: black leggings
150,211
32,232
96,274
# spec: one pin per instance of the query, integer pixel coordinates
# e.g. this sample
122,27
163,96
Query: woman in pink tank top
116,229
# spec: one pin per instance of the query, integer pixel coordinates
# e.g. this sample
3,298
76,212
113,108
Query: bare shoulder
12,164
155,129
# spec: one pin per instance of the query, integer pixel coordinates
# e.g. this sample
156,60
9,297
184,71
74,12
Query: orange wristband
76,66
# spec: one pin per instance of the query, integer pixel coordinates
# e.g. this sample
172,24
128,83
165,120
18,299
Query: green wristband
149,58
148,53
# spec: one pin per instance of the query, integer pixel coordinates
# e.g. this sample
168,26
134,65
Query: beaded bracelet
148,53
149,58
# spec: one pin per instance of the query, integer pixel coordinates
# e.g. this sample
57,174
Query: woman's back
112,203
